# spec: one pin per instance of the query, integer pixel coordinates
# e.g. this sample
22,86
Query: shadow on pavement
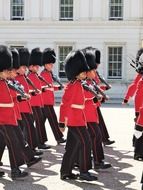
114,178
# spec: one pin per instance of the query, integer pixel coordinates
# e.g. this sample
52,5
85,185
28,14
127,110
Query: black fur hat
35,57
48,56
15,56
97,56
90,57
75,63
24,55
5,58
139,52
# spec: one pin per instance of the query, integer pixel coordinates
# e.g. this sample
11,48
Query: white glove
138,134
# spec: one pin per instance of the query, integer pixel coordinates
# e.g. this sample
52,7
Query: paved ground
124,175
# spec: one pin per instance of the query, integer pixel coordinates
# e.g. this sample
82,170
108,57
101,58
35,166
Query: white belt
77,106
10,105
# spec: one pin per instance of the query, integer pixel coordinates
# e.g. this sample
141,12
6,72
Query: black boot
38,152
68,176
2,174
33,161
102,165
62,140
87,176
108,142
16,173
44,146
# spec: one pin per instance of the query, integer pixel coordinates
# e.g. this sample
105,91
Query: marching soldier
72,116
27,122
92,115
48,60
105,135
36,100
8,120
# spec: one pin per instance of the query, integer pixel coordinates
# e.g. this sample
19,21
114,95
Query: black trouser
40,124
142,178
104,131
138,145
13,145
78,143
96,140
52,118
25,151
29,130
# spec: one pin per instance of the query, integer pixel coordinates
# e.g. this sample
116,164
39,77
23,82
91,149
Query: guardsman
27,122
36,101
72,115
105,135
48,60
92,115
8,120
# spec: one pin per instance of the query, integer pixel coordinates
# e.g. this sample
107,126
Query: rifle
98,89
15,85
32,84
88,88
56,79
42,79
103,80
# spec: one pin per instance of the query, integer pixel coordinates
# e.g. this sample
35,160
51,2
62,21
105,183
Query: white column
27,9
84,10
46,9
6,9
34,9
1,10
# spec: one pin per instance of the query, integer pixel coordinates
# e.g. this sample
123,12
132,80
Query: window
115,62
17,9
66,9
17,47
116,10
63,51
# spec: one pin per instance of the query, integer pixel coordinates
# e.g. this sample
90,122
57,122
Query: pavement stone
124,175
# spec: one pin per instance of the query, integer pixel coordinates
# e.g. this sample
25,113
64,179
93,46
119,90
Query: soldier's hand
62,127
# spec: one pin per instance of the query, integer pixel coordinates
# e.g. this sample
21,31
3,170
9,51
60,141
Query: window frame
110,11
117,77
21,5
63,18
62,76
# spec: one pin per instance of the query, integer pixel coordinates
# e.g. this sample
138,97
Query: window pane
63,52
115,9
17,9
66,9
115,62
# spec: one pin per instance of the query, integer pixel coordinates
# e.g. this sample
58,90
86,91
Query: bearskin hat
5,58
48,56
75,63
97,56
139,52
24,55
90,57
35,57
15,56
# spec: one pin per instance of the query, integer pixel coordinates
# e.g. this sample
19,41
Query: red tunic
35,100
16,104
132,87
48,95
24,106
90,108
72,106
7,112
139,96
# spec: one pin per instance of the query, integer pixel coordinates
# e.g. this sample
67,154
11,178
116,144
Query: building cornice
69,24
